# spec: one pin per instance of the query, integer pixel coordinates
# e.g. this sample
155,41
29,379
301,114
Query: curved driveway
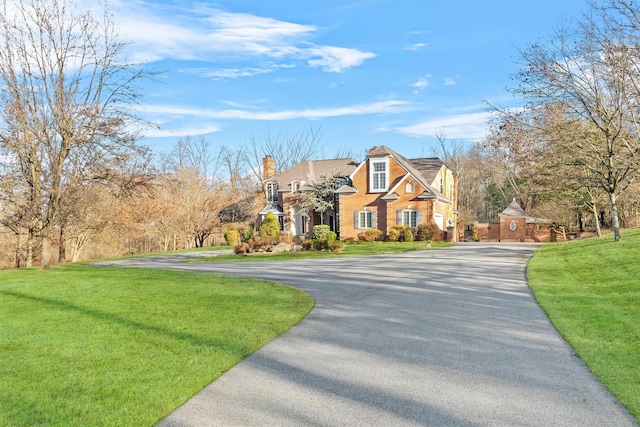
440,338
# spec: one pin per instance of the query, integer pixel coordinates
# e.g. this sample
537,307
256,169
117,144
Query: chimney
268,167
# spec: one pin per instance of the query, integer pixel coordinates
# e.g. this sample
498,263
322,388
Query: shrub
307,245
319,244
395,233
270,228
425,231
242,249
371,236
232,237
321,231
247,234
336,246
407,235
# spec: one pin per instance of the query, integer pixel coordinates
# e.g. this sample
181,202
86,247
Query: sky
363,73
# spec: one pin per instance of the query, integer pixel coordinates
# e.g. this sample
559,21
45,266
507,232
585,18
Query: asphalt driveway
440,338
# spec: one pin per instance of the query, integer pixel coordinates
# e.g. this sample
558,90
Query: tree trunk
29,261
597,219
17,259
45,262
62,248
615,223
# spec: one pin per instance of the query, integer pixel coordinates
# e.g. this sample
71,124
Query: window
379,176
295,186
441,185
303,224
408,188
281,221
364,220
408,217
272,192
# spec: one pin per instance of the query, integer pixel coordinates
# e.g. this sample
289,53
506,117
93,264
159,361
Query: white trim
372,173
357,225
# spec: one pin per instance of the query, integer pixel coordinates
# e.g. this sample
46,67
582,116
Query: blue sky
366,73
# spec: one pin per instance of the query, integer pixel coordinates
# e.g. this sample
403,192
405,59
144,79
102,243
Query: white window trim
268,186
400,217
372,173
358,223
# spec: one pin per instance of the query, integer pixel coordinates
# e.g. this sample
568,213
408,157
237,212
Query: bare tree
193,154
591,73
287,151
66,94
517,154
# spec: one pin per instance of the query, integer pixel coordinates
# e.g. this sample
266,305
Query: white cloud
337,59
462,126
160,31
239,114
422,82
184,131
415,47
449,81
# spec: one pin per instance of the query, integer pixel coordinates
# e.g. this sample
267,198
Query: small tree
270,228
320,196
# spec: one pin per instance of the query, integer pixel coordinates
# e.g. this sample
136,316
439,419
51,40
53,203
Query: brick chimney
268,167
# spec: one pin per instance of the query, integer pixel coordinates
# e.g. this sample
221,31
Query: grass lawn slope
590,289
104,346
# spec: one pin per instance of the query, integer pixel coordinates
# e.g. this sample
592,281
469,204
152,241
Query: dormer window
295,186
379,179
272,192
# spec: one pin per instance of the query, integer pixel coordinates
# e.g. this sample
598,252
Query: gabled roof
428,167
272,207
423,170
311,171
513,211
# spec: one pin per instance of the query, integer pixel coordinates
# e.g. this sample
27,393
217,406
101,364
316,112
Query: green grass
90,346
351,249
590,290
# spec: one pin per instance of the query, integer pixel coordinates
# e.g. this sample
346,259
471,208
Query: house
388,189
384,190
282,192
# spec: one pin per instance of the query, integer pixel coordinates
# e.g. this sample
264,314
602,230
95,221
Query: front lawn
90,346
590,289
350,249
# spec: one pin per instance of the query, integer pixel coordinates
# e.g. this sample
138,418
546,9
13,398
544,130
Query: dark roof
513,211
428,167
311,171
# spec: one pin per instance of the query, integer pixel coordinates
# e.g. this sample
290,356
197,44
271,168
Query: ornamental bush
395,233
407,235
425,231
232,237
247,234
270,228
321,231
371,236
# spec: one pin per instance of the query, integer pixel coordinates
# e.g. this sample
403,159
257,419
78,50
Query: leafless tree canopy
588,72
66,117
